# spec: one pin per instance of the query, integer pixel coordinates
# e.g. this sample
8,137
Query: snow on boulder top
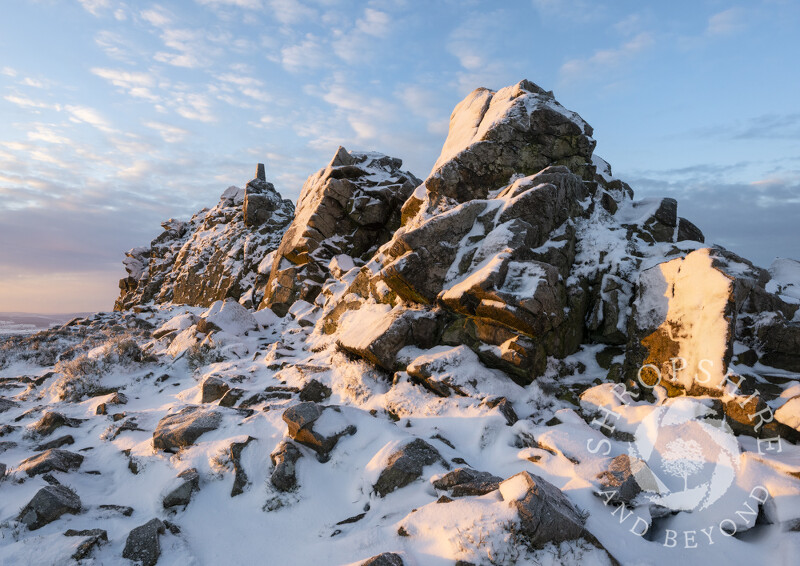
229,316
520,129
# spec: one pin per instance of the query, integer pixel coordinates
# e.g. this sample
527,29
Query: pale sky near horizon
117,115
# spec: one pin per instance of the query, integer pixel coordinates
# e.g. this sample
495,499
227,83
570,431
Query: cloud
194,106
115,46
289,12
765,127
158,17
86,115
26,102
757,220
95,7
571,10
247,4
170,133
45,133
8,71
726,22
307,55
136,84
374,22
605,60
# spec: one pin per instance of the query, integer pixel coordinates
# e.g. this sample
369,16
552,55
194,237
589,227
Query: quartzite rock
405,465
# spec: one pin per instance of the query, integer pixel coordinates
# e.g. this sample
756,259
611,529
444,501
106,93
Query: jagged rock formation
213,256
513,361
345,212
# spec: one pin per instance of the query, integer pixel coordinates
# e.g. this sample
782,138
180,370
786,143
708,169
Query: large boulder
351,207
545,513
184,427
47,505
213,256
520,129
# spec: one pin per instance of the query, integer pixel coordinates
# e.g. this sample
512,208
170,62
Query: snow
231,317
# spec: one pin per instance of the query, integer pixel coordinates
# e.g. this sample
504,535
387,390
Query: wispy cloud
605,60
136,84
726,22
306,55
26,102
90,116
95,7
194,106
170,133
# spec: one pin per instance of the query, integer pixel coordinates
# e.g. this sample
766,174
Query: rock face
545,513
213,256
47,505
351,207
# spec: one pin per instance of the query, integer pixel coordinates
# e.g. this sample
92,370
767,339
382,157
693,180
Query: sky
116,115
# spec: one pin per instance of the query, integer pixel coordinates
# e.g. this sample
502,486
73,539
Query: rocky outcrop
349,208
213,256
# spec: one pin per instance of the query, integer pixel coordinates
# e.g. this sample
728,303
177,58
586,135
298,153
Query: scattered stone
57,443
465,481
504,406
7,404
240,480
184,427
301,418
546,515
123,510
182,494
315,391
384,559
49,504
213,388
52,421
143,544
92,539
231,397
627,478
284,458
405,465
51,460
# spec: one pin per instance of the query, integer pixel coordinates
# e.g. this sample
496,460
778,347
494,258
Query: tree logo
694,456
